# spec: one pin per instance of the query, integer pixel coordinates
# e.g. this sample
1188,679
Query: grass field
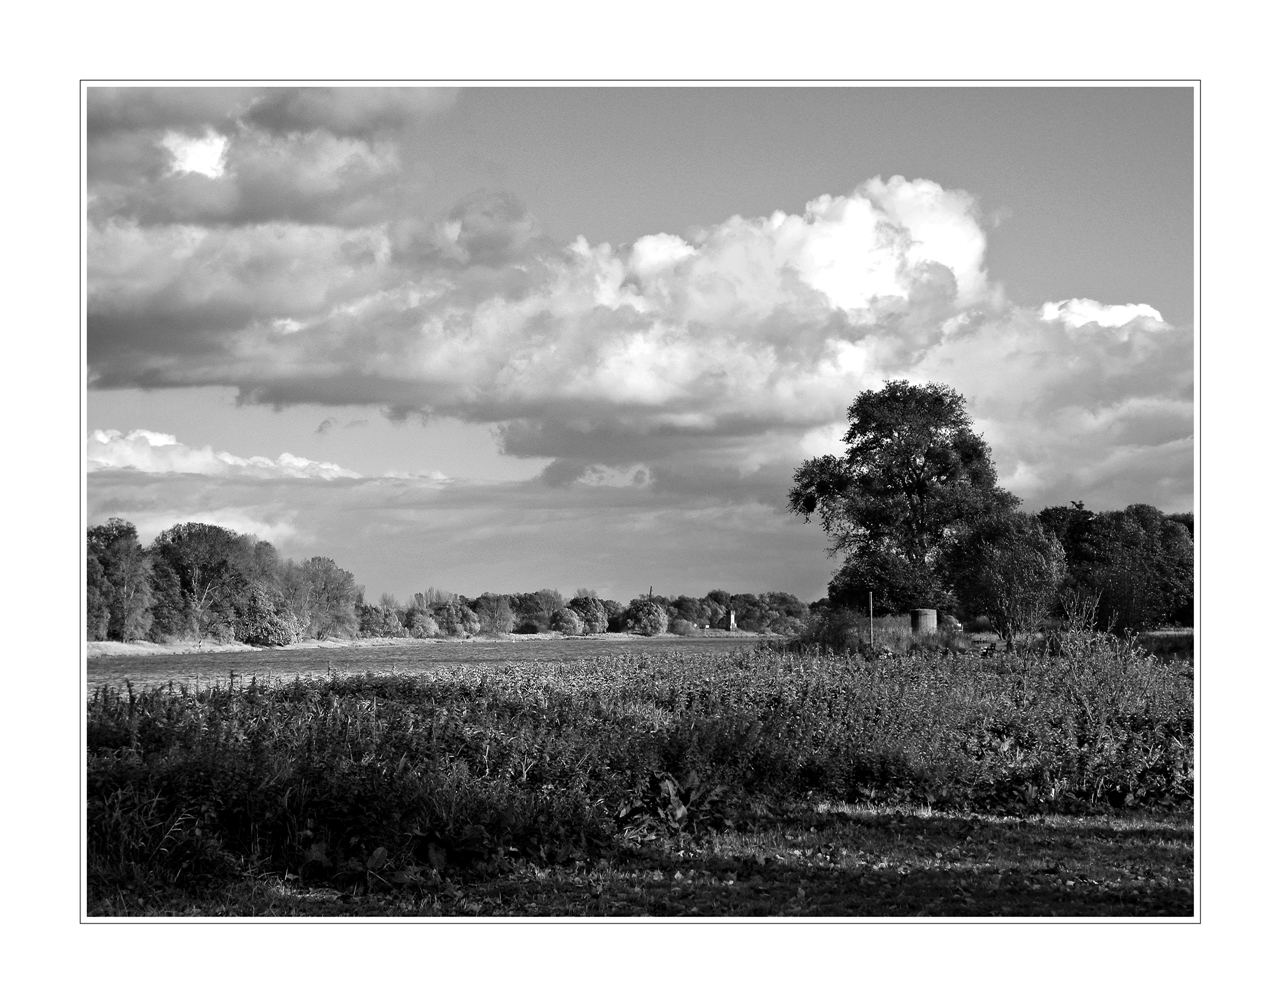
652,781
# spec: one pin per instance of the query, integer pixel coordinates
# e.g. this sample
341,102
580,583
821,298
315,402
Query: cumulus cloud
293,268
160,453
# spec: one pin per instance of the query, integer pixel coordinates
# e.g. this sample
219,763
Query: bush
494,613
566,621
264,623
594,614
1008,569
682,627
646,618
455,619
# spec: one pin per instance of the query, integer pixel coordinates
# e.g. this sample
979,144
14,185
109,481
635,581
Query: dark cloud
346,111
156,109
307,155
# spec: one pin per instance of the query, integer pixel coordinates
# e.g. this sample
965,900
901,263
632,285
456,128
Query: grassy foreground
749,783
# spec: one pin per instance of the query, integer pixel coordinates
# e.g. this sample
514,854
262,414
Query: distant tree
331,595
645,617
685,608
1007,568
1137,564
383,620
617,614
533,610
119,583
265,620
594,615
198,580
494,613
97,611
419,622
585,594
455,619
566,621
914,472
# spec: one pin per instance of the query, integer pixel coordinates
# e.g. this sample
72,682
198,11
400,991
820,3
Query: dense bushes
1139,564
461,763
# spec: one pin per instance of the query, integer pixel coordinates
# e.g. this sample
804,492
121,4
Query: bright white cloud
1078,312
158,453
197,154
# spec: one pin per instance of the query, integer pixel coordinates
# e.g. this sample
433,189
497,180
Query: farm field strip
773,783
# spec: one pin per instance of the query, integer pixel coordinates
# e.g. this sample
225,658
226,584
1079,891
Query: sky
512,338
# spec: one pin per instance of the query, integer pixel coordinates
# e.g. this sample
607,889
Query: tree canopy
914,471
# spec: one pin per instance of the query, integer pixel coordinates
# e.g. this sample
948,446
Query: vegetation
914,471
423,789
204,581
914,508
1137,564
1011,569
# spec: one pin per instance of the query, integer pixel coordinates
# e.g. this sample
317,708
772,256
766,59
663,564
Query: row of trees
203,581
435,613
914,509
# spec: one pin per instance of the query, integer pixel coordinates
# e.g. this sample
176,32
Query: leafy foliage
646,617
119,586
1138,564
566,621
1008,569
913,471
594,615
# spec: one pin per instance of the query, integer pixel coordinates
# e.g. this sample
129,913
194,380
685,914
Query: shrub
1008,569
566,621
494,613
594,614
682,627
646,618
617,615
455,619
263,621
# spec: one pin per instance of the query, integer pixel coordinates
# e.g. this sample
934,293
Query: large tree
118,583
914,472
200,581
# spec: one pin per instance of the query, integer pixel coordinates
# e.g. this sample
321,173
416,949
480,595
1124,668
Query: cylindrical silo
924,621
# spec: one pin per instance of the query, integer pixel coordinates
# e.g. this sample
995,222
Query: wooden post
871,612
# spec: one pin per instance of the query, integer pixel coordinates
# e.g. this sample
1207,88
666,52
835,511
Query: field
651,778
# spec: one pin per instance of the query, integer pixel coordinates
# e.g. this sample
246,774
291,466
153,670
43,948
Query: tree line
914,509
203,581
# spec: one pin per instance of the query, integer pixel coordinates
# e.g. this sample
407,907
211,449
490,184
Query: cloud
160,453
219,156
722,356
1079,312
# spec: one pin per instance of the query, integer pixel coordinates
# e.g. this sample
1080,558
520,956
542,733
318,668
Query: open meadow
640,778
